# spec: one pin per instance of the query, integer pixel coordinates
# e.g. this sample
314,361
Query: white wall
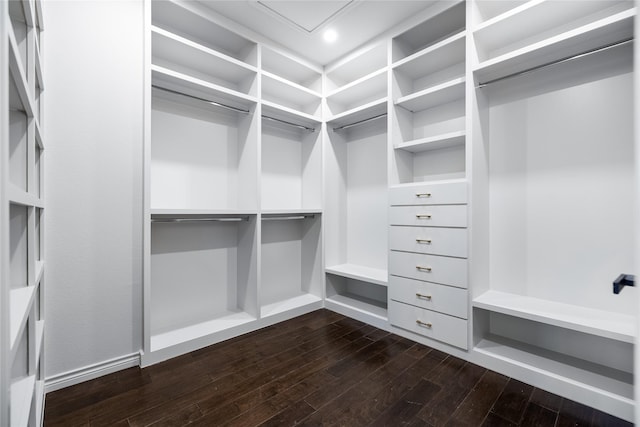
93,62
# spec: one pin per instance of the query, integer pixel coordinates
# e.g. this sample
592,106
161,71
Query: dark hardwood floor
318,369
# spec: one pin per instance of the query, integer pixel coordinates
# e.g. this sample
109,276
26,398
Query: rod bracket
622,281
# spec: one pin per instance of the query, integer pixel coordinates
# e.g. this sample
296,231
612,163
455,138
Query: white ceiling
298,25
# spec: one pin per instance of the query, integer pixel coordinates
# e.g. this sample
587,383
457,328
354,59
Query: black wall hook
622,281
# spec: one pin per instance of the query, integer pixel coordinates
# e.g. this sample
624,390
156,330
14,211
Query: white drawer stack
428,260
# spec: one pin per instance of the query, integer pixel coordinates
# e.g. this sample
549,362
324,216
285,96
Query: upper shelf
280,91
183,55
364,112
291,69
370,87
538,20
606,324
189,20
431,97
354,67
360,272
592,36
433,58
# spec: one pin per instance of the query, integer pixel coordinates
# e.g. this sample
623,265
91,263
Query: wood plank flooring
320,369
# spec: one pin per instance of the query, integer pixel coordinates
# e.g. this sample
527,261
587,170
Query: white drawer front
434,216
429,240
440,298
429,194
431,268
437,326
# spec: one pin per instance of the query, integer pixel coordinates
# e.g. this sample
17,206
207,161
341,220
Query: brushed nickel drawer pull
423,194
424,241
423,296
418,267
424,324
423,216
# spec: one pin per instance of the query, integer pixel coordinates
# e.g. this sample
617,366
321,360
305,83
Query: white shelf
271,109
276,87
21,398
17,196
591,321
450,139
358,303
187,212
289,304
364,88
591,36
281,64
222,322
559,367
351,70
19,75
444,54
359,272
433,96
174,49
363,112
21,300
533,18
420,184
173,80
267,212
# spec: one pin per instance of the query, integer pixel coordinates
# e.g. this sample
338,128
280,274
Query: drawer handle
423,296
423,194
424,241
424,324
423,216
420,268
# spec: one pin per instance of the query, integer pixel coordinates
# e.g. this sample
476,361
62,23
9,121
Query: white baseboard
90,372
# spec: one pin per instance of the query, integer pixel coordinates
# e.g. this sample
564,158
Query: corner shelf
343,74
433,96
359,272
439,56
358,93
280,91
363,112
591,36
582,319
281,64
451,139
281,112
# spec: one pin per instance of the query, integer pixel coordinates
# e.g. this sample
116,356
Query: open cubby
202,156
291,167
188,20
293,96
203,270
18,246
291,254
356,295
368,89
18,149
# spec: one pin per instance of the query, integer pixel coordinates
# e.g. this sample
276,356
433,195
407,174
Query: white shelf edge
431,91
294,85
356,82
355,304
435,182
588,320
161,211
21,300
185,334
507,14
21,397
359,272
17,71
551,41
291,112
17,196
429,49
359,109
291,211
204,49
434,142
193,81
540,361
288,304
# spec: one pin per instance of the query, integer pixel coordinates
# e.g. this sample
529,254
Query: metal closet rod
282,218
229,107
359,122
557,61
212,219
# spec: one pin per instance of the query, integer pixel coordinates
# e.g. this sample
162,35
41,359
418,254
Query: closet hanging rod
282,218
289,123
557,61
359,122
175,220
217,104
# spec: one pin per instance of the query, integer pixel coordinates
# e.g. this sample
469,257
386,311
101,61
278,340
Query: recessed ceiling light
330,35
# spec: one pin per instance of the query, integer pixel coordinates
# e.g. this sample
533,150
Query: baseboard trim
90,372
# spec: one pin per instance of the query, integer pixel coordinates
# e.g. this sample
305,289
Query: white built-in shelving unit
21,215
233,166
549,132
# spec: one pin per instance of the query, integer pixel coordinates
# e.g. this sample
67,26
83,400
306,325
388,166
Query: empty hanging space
428,120
356,218
555,208
291,173
203,156
203,275
291,263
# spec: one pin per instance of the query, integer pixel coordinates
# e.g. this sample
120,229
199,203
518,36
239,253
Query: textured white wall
93,62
